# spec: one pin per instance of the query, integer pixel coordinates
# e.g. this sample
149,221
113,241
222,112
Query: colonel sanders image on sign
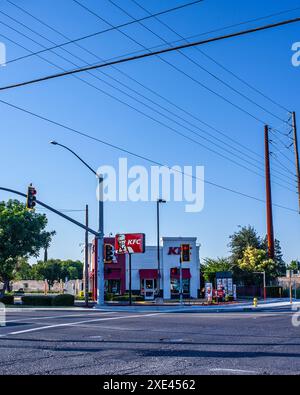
122,247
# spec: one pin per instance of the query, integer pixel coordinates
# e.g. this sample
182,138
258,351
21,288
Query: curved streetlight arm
77,156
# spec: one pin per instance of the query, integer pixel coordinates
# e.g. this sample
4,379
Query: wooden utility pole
86,259
270,228
296,155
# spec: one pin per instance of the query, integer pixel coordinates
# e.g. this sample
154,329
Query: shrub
37,300
109,297
125,298
7,299
63,300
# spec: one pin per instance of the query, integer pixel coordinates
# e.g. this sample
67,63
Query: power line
170,64
189,58
221,65
106,31
151,54
163,124
86,135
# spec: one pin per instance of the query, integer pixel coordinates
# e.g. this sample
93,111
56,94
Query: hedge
63,300
37,300
58,300
7,299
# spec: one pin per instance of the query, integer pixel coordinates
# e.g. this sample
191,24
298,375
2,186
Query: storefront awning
149,274
186,274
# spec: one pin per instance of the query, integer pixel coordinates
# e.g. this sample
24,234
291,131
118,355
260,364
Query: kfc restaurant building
144,270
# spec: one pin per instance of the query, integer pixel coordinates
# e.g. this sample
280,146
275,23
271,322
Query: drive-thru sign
133,243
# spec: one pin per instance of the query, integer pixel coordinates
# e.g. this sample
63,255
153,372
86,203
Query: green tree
256,260
50,271
280,265
294,265
22,235
241,240
23,270
213,266
57,270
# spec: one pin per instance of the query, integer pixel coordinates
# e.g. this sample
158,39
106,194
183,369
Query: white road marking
78,323
56,316
233,370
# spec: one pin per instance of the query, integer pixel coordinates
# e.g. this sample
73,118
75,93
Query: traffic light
108,253
31,198
185,253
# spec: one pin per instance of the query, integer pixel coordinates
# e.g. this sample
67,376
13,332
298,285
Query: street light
159,201
100,238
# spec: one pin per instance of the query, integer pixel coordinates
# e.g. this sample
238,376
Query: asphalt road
95,342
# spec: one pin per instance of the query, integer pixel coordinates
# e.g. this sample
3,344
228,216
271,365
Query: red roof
148,274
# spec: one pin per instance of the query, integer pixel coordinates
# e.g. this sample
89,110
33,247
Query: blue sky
262,59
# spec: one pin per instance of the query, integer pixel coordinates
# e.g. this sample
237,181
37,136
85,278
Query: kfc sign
130,243
174,251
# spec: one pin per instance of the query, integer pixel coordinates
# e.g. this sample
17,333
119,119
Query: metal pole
296,155
265,288
86,259
130,281
291,288
270,228
158,249
181,285
100,246
52,210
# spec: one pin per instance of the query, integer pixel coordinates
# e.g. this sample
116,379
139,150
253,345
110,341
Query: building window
175,287
148,285
113,286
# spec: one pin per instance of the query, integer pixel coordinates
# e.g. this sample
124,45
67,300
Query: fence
256,291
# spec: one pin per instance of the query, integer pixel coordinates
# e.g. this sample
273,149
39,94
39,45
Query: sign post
130,281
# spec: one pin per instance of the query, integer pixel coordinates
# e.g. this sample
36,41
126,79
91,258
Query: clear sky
262,59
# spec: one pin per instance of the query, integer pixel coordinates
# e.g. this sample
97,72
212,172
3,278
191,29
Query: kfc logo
174,251
130,243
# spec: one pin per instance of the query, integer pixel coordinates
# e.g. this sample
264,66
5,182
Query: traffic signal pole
270,227
53,210
100,245
296,155
86,259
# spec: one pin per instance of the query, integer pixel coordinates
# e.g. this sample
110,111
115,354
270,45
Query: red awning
112,274
186,274
149,274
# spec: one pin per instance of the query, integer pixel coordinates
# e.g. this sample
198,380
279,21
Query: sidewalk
237,307
174,308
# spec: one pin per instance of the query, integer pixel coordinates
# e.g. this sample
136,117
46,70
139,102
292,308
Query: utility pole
296,155
86,259
270,227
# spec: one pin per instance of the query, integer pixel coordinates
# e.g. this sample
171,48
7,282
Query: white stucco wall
149,261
